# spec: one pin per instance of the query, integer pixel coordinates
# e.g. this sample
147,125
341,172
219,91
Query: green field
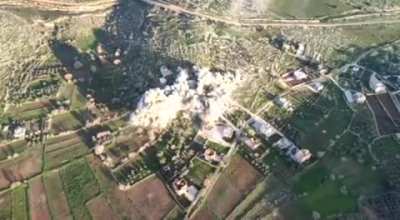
55,195
324,181
319,125
220,149
80,185
5,205
60,150
12,148
199,171
68,121
29,111
102,174
386,148
19,203
308,8
71,92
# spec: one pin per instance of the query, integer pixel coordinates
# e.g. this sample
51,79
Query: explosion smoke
201,92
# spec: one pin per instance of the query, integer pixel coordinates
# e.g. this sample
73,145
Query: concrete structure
19,132
250,143
262,127
298,155
211,155
295,77
284,103
376,85
354,97
182,188
316,87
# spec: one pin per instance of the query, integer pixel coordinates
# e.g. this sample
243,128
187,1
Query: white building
283,143
359,97
284,103
19,132
298,155
250,143
182,188
262,127
354,97
349,97
299,75
316,87
376,85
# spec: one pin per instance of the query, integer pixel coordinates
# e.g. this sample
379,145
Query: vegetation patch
68,121
56,197
68,148
5,205
20,203
80,186
199,171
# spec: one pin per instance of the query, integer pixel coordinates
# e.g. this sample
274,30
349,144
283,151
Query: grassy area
86,41
220,149
57,158
386,148
29,111
310,179
308,8
5,205
71,92
323,183
62,149
12,148
327,200
102,174
80,186
68,121
318,125
199,171
19,203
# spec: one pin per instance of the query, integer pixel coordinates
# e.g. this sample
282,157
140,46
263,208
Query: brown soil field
390,107
236,181
57,200
146,200
383,120
23,167
100,209
38,200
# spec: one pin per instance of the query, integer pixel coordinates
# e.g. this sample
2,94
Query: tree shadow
122,64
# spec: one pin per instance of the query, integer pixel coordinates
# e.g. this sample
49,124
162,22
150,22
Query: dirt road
102,5
69,7
267,23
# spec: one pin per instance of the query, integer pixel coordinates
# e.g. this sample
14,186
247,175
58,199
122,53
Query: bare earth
38,200
147,200
100,209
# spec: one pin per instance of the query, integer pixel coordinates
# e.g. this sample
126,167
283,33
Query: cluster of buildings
278,140
22,130
101,139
